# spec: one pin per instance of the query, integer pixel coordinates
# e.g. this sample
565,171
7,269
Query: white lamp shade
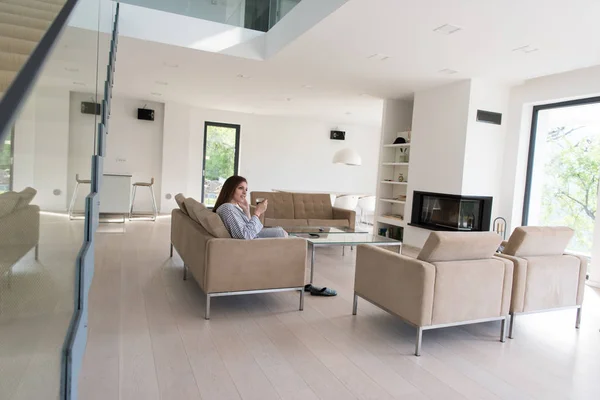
347,156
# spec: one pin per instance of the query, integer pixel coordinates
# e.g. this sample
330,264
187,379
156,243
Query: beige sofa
223,266
545,278
19,227
455,280
303,209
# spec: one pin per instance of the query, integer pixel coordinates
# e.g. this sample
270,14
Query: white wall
133,146
484,150
560,87
41,147
275,153
439,132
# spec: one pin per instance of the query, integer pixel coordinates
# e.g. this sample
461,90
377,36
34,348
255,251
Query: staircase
23,23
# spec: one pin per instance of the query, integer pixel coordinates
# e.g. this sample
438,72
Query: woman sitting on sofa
233,208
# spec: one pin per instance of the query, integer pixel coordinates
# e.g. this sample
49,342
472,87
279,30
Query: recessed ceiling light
156,94
71,69
447,71
526,49
447,29
79,83
242,76
163,83
379,57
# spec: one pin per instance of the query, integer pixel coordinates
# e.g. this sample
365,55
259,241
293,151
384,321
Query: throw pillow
180,199
208,219
8,203
25,197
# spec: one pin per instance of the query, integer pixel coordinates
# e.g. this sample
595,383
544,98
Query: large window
221,155
564,169
6,163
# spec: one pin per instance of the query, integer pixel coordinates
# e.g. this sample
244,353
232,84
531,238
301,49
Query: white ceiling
326,72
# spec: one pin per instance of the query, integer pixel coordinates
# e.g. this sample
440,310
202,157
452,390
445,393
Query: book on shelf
394,216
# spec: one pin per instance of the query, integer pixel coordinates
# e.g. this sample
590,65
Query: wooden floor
148,340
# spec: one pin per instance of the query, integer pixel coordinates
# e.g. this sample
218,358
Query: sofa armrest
238,265
583,266
403,285
342,213
517,302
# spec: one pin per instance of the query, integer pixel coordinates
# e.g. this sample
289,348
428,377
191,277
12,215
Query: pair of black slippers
319,291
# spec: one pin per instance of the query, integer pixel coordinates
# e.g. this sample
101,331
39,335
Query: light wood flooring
148,340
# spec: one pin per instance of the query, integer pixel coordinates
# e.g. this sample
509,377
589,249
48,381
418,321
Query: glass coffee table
340,238
294,230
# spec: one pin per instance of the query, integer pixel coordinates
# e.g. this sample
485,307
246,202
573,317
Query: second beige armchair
455,280
545,278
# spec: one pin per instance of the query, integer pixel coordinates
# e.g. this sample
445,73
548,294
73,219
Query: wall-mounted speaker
90,108
146,114
489,117
337,135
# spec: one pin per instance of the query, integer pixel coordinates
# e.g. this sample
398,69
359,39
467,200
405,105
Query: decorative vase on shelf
400,178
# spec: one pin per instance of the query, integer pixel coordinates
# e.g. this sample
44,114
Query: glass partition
39,244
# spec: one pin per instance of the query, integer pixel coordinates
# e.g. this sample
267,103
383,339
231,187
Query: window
6,163
564,169
221,155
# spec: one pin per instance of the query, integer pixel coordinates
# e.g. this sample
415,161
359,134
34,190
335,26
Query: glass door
564,169
6,163
221,155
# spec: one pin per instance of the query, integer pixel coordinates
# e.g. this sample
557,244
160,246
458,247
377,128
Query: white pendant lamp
347,156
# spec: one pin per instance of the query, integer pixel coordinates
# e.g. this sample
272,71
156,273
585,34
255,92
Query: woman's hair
228,190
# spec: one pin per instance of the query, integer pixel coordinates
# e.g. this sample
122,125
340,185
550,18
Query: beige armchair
455,280
545,278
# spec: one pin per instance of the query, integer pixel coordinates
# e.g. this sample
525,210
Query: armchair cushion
180,199
208,219
455,246
538,241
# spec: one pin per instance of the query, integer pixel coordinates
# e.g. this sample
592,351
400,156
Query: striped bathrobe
240,226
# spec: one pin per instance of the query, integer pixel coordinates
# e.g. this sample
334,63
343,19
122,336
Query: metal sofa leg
419,341
503,331
185,272
511,326
301,299
207,309
37,251
171,251
578,321
355,304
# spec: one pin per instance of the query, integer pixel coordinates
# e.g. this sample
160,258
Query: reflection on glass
566,168
219,159
38,243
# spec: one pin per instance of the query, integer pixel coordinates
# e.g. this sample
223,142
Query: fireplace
450,212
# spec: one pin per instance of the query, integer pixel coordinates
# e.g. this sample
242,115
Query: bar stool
149,185
74,197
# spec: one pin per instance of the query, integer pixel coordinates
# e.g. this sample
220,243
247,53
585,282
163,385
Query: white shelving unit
394,160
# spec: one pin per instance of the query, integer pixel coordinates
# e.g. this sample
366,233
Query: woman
233,208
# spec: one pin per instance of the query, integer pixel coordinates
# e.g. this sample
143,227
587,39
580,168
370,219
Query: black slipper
318,291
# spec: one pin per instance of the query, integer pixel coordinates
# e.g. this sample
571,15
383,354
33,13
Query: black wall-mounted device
146,114
337,135
90,108
489,117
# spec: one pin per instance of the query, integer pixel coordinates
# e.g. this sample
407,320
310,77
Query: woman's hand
245,206
261,208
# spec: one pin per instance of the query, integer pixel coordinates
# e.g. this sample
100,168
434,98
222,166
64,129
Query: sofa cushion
281,204
455,246
25,197
337,223
205,217
8,203
538,241
180,199
312,206
285,222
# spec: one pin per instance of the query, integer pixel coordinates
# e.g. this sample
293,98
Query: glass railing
259,15
50,139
